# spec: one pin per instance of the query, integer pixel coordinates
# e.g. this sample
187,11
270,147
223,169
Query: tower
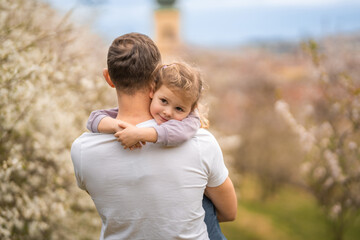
167,27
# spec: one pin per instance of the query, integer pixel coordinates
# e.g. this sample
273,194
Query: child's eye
179,109
163,100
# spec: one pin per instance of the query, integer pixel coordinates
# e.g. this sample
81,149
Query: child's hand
116,126
129,136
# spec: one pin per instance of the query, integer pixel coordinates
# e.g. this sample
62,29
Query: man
153,192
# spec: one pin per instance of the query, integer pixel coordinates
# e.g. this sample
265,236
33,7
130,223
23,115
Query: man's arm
224,199
219,188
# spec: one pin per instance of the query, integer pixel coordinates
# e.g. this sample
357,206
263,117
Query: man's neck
134,109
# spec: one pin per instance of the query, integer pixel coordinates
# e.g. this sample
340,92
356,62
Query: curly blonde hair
180,77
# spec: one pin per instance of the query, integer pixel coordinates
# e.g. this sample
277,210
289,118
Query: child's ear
107,77
151,93
152,89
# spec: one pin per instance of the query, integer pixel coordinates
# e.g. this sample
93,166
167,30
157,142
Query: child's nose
167,112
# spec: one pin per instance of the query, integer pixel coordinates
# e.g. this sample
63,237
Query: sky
221,23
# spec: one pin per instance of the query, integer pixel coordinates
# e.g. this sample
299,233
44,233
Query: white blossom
333,163
230,142
335,211
352,145
305,167
319,172
326,130
41,105
329,182
336,107
355,114
307,139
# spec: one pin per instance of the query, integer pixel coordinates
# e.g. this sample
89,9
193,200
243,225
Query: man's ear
107,77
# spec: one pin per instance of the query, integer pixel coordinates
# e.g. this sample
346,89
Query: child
175,96
174,105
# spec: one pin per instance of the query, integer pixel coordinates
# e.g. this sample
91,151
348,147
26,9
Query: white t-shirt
154,192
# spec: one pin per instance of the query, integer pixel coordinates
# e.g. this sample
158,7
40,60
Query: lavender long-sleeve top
170,133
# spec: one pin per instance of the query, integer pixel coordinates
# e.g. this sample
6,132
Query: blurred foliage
319,152
264,141
243,88
49,70
330,138
50,80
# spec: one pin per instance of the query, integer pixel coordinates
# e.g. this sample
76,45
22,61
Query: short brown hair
131,60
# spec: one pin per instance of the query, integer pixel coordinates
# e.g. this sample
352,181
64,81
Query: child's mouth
163,119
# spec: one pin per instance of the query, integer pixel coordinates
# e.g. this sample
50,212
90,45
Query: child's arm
103,121
174,132
170,133
131,136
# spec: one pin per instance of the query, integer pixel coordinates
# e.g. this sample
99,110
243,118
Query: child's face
167,104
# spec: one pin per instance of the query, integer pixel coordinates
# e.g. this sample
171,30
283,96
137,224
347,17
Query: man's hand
129,135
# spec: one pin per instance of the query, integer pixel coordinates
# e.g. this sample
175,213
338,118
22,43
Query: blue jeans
211,221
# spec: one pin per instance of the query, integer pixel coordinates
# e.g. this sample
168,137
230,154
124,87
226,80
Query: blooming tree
330,137
49,74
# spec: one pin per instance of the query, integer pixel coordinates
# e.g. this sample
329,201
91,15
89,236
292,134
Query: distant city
219,26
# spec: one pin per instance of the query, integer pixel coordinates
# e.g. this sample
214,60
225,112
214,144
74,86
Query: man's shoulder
205,138
205,134
77,142
91,143
91,138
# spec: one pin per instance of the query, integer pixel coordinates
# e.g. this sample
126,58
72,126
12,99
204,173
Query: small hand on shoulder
129,135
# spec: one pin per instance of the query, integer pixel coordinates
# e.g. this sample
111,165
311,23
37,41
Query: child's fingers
135,146
123,124
117,134
127,146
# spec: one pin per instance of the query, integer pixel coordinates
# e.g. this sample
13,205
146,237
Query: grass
291,214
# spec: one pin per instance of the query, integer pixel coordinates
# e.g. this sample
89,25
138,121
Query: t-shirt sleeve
76,159
214,162
96,116
174,132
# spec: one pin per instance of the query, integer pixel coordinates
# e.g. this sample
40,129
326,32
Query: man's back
149,193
